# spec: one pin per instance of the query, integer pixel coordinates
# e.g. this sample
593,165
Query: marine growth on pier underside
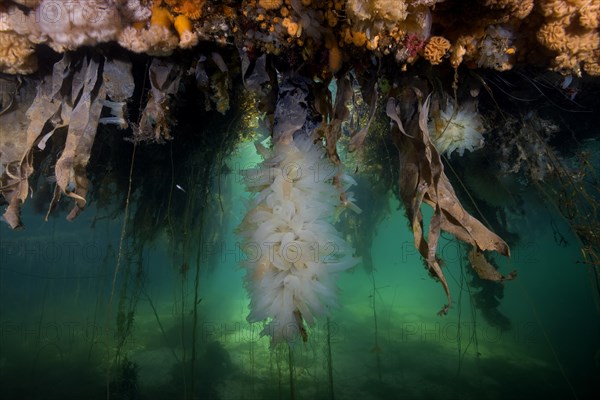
374,95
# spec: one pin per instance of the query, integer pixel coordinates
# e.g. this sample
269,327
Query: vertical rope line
119,256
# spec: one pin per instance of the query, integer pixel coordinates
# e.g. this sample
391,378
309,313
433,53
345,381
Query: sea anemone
458,130
293,251
71,24
187,37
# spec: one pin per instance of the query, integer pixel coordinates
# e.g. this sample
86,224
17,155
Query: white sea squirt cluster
458,130
293,252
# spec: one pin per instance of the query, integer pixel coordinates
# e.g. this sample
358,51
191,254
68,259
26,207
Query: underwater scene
299,199
83,311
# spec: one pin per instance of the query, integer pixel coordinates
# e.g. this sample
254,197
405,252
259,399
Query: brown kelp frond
422,180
